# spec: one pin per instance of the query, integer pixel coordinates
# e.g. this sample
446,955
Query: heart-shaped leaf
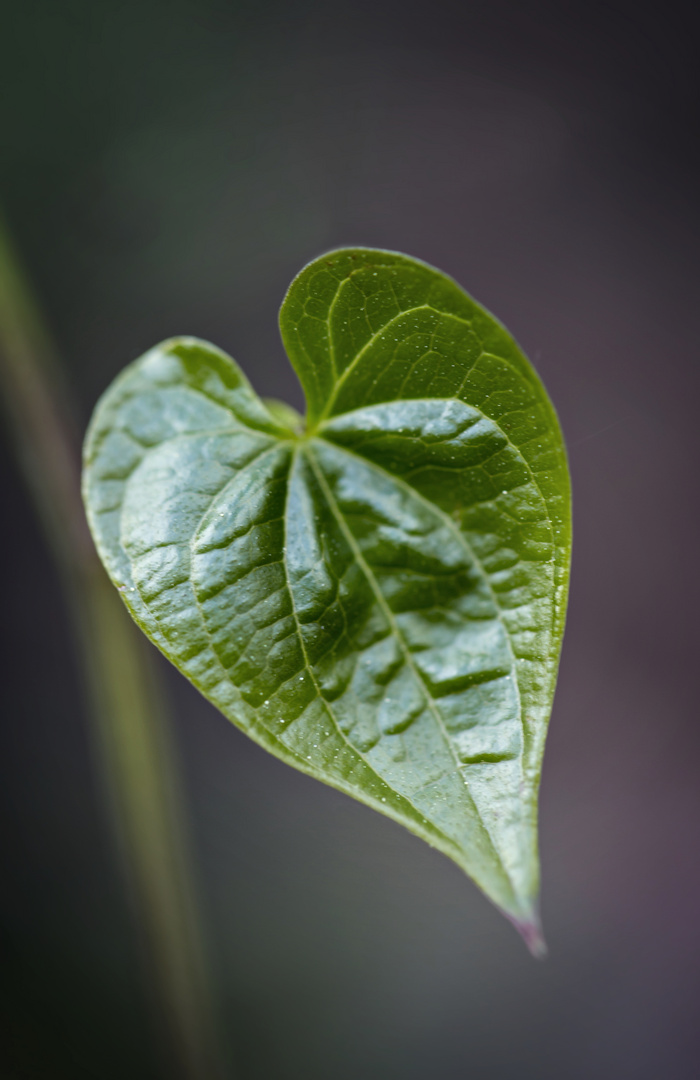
379,600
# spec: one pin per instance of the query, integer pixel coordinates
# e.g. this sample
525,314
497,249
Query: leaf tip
530,929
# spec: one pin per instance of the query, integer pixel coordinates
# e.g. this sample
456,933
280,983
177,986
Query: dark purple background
166,168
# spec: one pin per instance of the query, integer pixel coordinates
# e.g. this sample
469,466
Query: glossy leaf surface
378,600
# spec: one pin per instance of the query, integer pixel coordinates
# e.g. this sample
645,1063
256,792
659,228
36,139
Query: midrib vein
389,615
448,840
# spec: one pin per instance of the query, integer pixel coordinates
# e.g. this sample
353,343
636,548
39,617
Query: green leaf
378,600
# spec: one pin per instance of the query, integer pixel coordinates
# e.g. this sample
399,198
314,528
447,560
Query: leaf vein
389,615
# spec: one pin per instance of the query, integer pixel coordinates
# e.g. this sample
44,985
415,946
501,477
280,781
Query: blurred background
166,166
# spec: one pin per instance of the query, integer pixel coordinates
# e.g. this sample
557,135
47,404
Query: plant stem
128,725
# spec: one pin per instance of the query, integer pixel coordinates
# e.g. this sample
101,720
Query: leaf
378,601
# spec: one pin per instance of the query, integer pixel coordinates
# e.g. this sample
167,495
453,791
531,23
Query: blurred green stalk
129,728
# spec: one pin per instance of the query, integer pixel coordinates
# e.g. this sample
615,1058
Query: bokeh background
166,167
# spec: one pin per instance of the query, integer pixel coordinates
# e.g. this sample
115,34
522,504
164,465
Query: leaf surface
379,600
